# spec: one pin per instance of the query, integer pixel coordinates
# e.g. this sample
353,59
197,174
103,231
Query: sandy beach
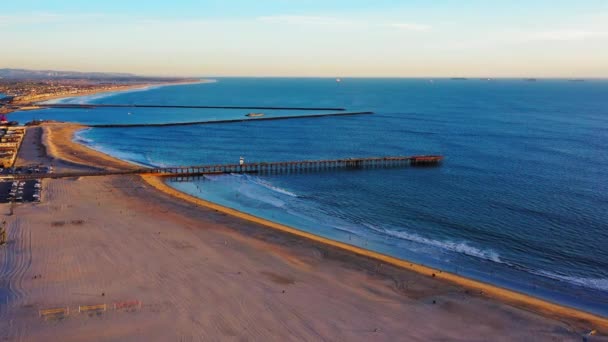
38,100
48,97
130,262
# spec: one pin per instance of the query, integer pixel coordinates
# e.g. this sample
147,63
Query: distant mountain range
46,74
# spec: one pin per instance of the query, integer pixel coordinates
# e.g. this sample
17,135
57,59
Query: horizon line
319,76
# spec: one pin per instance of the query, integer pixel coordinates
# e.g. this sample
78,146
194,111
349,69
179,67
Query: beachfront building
10,141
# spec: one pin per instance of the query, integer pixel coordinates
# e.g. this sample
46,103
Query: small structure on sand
3,235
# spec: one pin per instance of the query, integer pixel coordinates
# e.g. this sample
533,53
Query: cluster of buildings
28,91
11,138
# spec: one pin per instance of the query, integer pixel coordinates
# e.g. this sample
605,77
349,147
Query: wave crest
593,283
462,247
78,137
272,187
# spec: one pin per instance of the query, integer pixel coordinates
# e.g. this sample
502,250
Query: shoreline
57,138
38,104
120,89
496,290
507,296
200,274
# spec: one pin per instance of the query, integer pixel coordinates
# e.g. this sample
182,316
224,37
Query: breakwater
92,105
209,122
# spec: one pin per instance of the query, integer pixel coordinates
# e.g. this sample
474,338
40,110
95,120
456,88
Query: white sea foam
213,178
78,137
462,247
592,283
152,162
346,229
272,187
249,190
130,157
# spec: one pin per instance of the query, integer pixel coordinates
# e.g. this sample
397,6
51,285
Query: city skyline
310,38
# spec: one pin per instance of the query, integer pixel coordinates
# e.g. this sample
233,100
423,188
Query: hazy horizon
537,39
212,77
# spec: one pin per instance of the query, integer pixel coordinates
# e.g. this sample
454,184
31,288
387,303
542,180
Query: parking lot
22,191
26,170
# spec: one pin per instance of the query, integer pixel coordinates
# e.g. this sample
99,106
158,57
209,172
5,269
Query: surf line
210,122
482,289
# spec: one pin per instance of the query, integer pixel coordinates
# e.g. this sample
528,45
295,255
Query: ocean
521,199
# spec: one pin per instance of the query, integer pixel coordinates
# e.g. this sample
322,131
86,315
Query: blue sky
309,37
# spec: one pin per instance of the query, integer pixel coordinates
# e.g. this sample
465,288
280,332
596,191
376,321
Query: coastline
200,273
508,296
38,103
58,140
339,291
121,89
91,92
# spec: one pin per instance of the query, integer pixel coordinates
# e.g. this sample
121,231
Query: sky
311,38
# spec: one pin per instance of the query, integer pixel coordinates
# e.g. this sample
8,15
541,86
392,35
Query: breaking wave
130,157
79,138
272,187
592,283
462,247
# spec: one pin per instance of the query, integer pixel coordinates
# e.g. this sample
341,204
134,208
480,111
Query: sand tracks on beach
15,261
198,275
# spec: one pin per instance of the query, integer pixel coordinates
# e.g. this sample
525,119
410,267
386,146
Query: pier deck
261,167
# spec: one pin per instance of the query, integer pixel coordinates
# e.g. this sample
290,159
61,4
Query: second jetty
94,105
210,122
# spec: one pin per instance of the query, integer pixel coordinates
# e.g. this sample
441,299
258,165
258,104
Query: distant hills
47,74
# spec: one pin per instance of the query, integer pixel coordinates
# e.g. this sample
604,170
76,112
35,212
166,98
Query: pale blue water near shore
520,201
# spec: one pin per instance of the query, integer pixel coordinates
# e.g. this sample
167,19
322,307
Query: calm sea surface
520,201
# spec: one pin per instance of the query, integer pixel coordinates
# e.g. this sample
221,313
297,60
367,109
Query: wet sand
201,274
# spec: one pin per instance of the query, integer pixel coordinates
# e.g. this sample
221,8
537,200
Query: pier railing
302,165
260,167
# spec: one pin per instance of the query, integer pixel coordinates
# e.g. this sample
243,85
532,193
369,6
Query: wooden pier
302,165
259,168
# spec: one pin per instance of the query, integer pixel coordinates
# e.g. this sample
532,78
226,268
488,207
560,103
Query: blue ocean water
521,199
